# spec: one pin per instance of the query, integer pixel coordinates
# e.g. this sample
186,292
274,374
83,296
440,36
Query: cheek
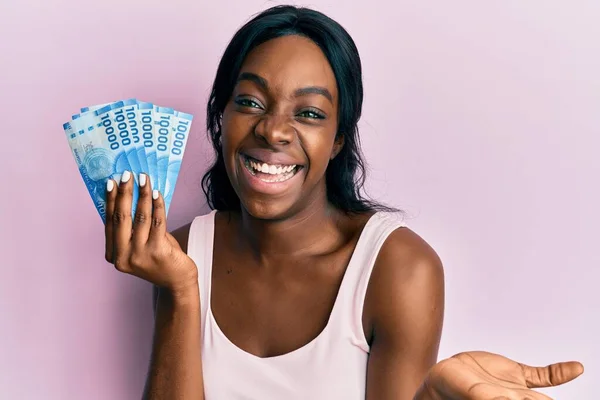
231,133
234,131
235,127
318,148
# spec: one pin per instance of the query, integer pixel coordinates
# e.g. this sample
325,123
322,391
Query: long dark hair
345,175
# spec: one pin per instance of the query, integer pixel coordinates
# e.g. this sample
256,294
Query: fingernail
110,185
125,177
155,194
142,180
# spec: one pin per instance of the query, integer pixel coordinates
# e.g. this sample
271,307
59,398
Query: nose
275,129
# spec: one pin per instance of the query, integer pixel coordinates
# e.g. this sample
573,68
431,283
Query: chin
269,209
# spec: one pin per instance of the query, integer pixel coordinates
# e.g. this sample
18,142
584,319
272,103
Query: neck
310,231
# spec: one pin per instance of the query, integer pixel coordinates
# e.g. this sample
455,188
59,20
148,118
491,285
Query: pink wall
480,120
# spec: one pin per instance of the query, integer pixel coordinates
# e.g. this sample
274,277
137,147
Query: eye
312,114
245,102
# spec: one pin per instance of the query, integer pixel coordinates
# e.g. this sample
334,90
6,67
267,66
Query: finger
143,213
551,375
526,394
530,394
498,392
111,195
159,218
172,241
122,221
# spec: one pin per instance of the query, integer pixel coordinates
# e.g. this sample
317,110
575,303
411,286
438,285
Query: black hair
345,175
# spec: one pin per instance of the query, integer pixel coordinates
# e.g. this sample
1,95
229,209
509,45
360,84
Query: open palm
480,375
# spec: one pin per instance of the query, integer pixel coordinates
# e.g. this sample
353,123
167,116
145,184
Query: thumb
551,375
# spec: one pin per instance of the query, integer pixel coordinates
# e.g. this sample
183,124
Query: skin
278,264
142,247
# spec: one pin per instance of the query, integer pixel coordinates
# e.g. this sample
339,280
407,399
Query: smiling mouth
270,173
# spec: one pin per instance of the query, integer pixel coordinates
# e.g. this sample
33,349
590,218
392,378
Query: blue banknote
140,137
128,136
94,162
181,130
134,123
145,113
116,142
96,193
163,129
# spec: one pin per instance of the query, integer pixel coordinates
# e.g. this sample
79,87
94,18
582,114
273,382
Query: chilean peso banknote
140,137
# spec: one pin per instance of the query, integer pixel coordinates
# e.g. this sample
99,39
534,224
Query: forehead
291,62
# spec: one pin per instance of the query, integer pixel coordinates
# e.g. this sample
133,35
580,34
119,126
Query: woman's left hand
479,375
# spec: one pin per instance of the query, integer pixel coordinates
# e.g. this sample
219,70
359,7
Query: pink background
481,119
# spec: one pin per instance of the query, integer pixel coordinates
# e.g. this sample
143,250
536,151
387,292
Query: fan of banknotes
128,135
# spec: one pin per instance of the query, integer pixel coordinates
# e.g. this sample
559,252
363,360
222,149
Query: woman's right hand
142,246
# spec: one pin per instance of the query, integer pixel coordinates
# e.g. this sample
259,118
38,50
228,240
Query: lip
270,157
270,188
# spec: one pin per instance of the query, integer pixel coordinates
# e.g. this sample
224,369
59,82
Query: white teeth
270,169
279,173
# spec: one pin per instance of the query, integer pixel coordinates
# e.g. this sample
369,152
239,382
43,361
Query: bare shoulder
182,234
407,281
406,256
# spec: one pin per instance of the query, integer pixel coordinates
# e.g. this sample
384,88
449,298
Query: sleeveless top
332,366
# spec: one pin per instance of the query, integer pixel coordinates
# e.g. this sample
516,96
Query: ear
337,146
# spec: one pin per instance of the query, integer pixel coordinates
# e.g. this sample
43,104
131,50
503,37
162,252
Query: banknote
149,139
181,131
116,143
128,135
134,123
86,147
77,152
163,128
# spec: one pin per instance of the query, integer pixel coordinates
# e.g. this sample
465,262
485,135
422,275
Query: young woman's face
279,128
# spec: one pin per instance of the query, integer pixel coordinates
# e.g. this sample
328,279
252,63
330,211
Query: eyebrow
262,82
249,76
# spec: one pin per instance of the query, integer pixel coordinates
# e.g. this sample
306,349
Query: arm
175,370
404,308
176,364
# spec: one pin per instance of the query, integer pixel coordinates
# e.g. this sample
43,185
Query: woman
296,286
